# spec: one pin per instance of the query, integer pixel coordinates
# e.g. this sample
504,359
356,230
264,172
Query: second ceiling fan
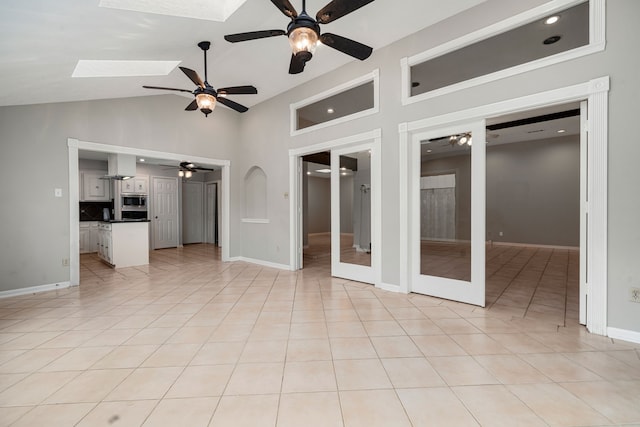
304,32
206,96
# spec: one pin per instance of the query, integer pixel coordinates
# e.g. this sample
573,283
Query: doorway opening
535,167
316,210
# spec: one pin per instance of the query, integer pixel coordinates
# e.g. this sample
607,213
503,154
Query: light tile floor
191,341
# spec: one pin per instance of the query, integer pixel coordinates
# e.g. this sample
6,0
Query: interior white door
165,212
354,195
192,212
451,267
211,213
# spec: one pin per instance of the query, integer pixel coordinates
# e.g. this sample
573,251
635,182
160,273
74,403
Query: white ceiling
41,41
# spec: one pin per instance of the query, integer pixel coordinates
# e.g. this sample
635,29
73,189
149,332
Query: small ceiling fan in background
304,32
206,95
187,169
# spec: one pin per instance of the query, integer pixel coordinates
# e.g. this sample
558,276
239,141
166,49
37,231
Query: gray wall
533,191
38,134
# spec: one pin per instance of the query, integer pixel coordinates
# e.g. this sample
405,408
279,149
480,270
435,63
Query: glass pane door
351,206
448,213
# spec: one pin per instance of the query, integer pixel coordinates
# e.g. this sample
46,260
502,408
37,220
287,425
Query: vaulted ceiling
41,42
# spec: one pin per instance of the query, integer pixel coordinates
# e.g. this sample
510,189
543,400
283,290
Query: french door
354,218
447,199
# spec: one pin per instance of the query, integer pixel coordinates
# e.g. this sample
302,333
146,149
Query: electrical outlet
634,294
65,262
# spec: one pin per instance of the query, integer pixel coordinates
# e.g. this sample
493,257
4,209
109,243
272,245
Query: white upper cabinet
95,187
137,185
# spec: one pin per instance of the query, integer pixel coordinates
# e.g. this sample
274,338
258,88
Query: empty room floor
191,341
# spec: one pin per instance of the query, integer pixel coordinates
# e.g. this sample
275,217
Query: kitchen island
124,243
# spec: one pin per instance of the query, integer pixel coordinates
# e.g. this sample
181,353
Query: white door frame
295,199
596,93
472,292
207,208
75,145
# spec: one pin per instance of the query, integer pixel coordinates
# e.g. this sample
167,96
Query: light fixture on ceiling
188,174
461,139
330,110
206,102
552,20
181,173
561,131
141,160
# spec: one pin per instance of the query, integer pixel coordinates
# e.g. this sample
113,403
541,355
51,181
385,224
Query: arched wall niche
255,195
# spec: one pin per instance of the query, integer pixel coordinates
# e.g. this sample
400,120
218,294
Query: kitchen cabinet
137,185
124,244
88,237
94,187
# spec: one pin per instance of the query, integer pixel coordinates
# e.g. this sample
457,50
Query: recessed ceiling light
552,20
98,68
561,131
323,170
308,172
552,40
429,151
141,160
219,10
330,110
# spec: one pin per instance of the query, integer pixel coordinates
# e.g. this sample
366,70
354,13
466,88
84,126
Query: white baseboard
34,289
389,287
532,245
624,334
261,262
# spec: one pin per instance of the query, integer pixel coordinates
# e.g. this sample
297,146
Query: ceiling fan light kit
206,97
304,32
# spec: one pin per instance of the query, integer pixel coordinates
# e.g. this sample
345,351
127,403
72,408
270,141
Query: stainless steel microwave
134,202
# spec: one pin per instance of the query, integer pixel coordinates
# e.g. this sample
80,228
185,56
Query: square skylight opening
218,10
108,68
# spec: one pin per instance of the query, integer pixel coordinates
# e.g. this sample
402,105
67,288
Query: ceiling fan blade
253,35
193,76
192,106
167,88
339,8
232,104
285,7
238,90
345,45
296,66
203,169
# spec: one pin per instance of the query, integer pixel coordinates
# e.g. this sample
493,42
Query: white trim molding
597,43
259,262
35,289
596,94
373,76
255,220
624,334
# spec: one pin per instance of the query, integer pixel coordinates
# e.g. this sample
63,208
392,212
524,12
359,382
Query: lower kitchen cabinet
88,237
124,244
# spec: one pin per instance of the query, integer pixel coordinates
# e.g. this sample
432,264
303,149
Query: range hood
121,166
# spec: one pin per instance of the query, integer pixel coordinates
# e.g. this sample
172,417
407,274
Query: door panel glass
355,208
445,207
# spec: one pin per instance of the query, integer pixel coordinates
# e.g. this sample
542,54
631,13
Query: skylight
218,10
100,68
